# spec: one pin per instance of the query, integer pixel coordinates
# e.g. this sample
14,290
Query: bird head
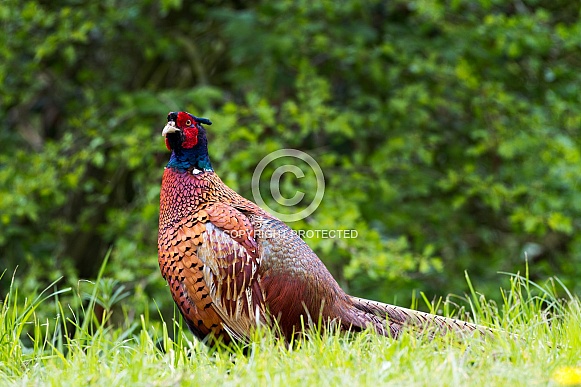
184,130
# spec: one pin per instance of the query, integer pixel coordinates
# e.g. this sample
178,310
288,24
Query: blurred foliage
448,132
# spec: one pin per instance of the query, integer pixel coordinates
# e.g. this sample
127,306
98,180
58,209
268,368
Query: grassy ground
546,351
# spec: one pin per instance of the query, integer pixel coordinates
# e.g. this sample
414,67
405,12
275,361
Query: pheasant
232,266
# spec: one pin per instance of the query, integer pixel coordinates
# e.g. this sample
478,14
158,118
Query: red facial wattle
187,123
190,137
188,126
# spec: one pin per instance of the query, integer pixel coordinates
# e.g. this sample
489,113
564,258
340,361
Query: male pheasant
231,266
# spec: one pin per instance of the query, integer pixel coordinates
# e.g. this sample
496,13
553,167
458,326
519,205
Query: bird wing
229,252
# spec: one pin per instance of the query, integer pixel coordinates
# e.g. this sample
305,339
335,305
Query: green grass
87,350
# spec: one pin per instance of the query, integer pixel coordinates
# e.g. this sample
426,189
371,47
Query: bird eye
188,122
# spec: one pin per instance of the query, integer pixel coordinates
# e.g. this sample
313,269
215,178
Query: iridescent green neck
196,157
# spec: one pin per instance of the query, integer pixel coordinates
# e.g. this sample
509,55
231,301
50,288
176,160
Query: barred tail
397,319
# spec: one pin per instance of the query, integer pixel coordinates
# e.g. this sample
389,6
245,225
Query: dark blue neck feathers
196,157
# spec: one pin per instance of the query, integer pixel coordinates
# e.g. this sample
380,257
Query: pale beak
169,128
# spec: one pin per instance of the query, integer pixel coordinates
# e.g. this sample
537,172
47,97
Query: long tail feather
399,319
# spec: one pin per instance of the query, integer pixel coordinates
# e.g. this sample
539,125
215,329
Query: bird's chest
183,194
